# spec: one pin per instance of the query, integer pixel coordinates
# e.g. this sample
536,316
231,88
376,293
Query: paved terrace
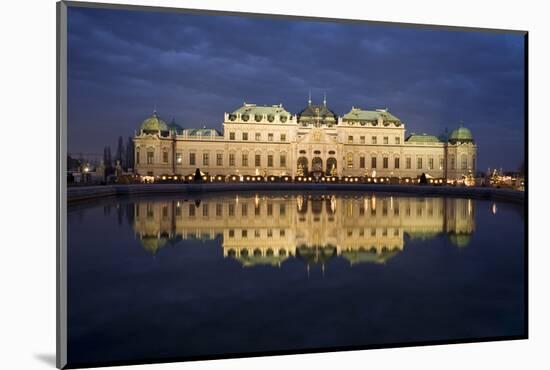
80,193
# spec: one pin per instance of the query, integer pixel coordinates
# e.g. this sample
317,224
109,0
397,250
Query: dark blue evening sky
121,64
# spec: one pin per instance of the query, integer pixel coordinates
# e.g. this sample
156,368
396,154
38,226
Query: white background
27,208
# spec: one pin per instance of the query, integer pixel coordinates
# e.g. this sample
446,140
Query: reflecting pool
163,277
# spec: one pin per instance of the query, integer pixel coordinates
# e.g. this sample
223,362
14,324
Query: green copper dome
461,134
154,123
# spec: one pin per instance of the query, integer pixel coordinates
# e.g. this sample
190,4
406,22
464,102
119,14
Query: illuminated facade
269,230
268,140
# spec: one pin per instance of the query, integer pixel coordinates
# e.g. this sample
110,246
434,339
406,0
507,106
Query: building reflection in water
315,228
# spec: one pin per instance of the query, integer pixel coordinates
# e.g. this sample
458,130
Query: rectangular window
231,210
165,156
191,210
137,156
270,160
373,162
396,163
245,136
258,136
244,209
204,210
192,159
231,136
408,163
205,159
430,163
464,162
419,163
219,159
231,159
362,162
245,160
373,140
282,159
179,158
350,139
282,209
385,162
397,140
219,210
362,139
283,137
386,140
440,163
244,234
258,160
350,160
269,137
150,156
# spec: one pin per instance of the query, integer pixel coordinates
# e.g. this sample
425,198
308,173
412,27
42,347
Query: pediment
317,136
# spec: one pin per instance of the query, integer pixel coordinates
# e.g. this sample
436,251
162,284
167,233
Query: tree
120,151
107,160
423,179
129,153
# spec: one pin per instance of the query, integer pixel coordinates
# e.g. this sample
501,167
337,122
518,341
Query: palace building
268,140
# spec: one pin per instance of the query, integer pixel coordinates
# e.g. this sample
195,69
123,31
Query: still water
161,277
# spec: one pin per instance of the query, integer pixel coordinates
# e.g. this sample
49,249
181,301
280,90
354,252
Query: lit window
179,158
192,159
440,163
350,160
